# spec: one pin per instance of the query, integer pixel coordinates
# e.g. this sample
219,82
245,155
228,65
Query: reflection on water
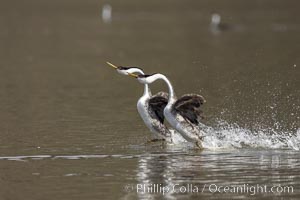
69,127
217,168
187,175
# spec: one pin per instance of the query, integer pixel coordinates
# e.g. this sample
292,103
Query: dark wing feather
188,106
157,104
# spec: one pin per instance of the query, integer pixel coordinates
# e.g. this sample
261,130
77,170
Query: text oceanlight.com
211,188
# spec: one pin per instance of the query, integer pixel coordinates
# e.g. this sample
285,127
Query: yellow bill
113,66
133,75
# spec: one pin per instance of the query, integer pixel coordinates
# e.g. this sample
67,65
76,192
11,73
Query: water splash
225,135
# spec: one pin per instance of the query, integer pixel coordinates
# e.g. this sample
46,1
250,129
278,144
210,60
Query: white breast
177,122
142,106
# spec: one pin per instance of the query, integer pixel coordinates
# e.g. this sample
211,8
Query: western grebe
150,108
184,113
216,26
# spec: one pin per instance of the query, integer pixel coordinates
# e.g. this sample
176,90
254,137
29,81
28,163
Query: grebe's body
151,109
184,113
188,129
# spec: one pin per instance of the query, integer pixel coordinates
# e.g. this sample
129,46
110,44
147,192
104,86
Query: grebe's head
126,70
144,78
215,19
123,70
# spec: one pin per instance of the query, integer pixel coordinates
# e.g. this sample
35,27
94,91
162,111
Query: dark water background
61,104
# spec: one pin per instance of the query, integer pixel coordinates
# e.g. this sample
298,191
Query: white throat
146,86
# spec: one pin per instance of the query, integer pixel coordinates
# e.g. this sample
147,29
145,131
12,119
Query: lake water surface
69,128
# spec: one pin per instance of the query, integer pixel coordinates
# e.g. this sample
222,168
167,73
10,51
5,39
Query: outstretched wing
188,106
157,104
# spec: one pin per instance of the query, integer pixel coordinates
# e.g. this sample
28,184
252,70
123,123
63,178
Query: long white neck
172,96
146,86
